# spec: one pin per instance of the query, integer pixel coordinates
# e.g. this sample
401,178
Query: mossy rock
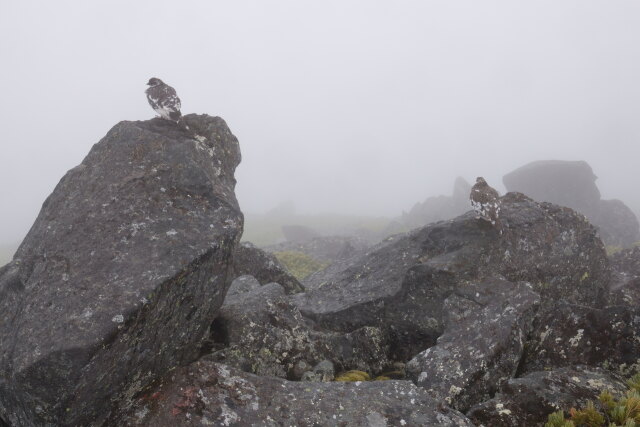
299,264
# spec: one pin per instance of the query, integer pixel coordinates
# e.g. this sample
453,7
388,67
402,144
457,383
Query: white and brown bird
164,100
485,201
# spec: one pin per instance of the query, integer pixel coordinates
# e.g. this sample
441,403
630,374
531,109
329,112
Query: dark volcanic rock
569,334
486,327
625,288
401,284
440,208
122,273
261,332
250,260
572,184
206,393
529,400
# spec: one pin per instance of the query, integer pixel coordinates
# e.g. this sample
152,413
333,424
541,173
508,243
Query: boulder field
132,302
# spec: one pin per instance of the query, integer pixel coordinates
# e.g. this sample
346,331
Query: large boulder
528,401
122,272
572,184
570,334
401,284
565,183
206,393
486,328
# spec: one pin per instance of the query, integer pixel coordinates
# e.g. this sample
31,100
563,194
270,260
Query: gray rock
565,183
572,184
242,284
529,400
568,335
322,372
400,285
487,325
122,272
250,260
206,393
261,332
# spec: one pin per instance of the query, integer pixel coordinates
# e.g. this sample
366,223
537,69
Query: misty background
351,107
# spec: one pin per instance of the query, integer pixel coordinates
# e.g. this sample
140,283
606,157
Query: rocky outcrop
252,261
569,334
573,184
401,284
486,328
528,401
206,393
439,208
122,273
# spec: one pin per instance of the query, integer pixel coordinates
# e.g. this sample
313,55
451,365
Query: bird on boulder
164,100
485,201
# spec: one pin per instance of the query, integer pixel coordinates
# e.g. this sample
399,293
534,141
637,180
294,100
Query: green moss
299,264
352,376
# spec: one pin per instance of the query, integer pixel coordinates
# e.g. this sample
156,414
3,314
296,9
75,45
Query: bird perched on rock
164,100
485,201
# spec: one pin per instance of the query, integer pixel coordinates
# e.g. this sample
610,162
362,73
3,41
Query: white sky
347,106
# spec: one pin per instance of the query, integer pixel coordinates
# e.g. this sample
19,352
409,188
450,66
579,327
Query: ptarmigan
164,100
485,201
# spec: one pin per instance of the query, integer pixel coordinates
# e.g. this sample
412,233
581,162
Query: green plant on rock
610,412
299,264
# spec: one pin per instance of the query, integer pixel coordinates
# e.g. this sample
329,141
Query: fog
355,107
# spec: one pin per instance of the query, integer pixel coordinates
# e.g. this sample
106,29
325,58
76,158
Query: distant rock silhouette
122,272
439,208
572,184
